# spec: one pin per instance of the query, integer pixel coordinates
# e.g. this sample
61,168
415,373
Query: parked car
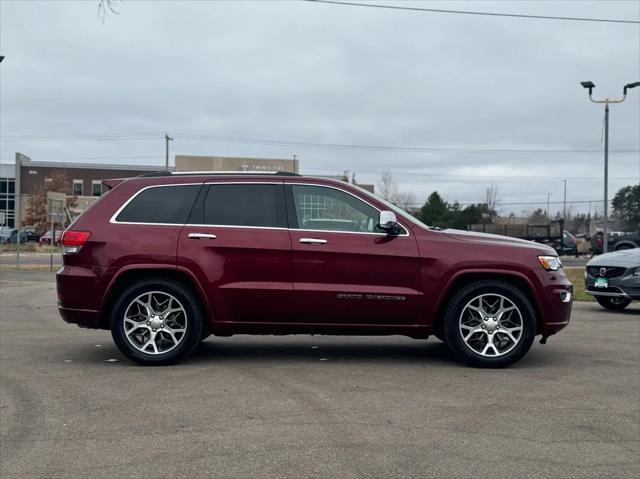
614,278
27,235
617,241
165,260
569,244
5,234
45,239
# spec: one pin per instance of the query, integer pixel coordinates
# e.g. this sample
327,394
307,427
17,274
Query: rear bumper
85,318
79,296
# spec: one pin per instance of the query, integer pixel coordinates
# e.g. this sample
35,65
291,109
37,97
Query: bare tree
106,6
491,197
388,189
36,209
387,186
404,199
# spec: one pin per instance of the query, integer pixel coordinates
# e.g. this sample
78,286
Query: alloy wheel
491,325
155,322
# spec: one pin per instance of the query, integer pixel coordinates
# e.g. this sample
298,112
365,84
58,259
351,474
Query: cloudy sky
457,101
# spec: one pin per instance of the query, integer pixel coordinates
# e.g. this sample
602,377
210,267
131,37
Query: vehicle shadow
632,310
431,352
247,351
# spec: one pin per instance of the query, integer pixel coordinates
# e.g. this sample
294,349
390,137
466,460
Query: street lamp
589,85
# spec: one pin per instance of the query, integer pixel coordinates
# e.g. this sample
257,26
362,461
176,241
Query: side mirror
389,223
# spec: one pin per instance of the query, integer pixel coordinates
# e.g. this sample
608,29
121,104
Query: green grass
576,276
28,248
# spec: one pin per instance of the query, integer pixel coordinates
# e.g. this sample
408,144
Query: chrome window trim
352,232
356,197
196,225
112,220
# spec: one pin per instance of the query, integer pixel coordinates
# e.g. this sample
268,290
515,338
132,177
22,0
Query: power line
72,138
308,144
468,12
352,146
93,158
325,171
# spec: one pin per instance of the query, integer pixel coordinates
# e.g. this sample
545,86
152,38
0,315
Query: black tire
453,336
613,304
193,319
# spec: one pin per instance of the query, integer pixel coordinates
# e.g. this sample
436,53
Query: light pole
564,207
167,139
589,85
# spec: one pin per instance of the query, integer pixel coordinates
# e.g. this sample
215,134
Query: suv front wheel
489,324
156,321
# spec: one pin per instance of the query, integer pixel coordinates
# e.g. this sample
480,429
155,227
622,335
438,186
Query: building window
7,202
96,187
78,188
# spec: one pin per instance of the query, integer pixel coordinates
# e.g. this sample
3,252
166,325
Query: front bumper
626,286
557,306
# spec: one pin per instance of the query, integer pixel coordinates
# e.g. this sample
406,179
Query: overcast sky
311,73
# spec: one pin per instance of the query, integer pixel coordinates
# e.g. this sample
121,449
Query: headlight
550,263
637,271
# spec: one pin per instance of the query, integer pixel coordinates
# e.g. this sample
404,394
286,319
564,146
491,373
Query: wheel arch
129,275
625,244
463,278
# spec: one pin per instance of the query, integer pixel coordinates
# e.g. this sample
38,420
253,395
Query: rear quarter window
160,204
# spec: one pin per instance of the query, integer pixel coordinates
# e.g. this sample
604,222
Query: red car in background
45,239
164,260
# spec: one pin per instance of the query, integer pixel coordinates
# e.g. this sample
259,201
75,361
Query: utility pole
589,85
564,208
167,139
295,160
548,204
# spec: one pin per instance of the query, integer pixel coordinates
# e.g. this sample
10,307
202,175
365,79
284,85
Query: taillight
73,241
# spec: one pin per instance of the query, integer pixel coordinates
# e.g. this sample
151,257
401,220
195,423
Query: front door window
330,209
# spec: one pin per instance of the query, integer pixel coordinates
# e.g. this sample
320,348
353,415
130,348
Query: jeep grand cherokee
164,260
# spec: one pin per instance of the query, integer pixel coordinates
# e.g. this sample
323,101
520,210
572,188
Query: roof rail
154,174
215,173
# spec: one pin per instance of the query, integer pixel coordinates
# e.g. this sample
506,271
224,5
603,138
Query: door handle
313,241
201,236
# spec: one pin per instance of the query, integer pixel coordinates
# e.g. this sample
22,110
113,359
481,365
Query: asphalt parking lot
301,406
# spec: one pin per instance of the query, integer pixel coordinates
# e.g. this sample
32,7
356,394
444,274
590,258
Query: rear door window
250,205
160,204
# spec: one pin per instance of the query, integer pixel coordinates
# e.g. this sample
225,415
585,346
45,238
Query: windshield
399,211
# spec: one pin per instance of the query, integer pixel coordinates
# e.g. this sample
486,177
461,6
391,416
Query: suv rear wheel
613,303
489,324
156,321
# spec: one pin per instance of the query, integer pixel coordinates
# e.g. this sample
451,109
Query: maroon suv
165,260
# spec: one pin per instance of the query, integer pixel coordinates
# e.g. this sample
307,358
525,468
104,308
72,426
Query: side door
237,242
345,270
